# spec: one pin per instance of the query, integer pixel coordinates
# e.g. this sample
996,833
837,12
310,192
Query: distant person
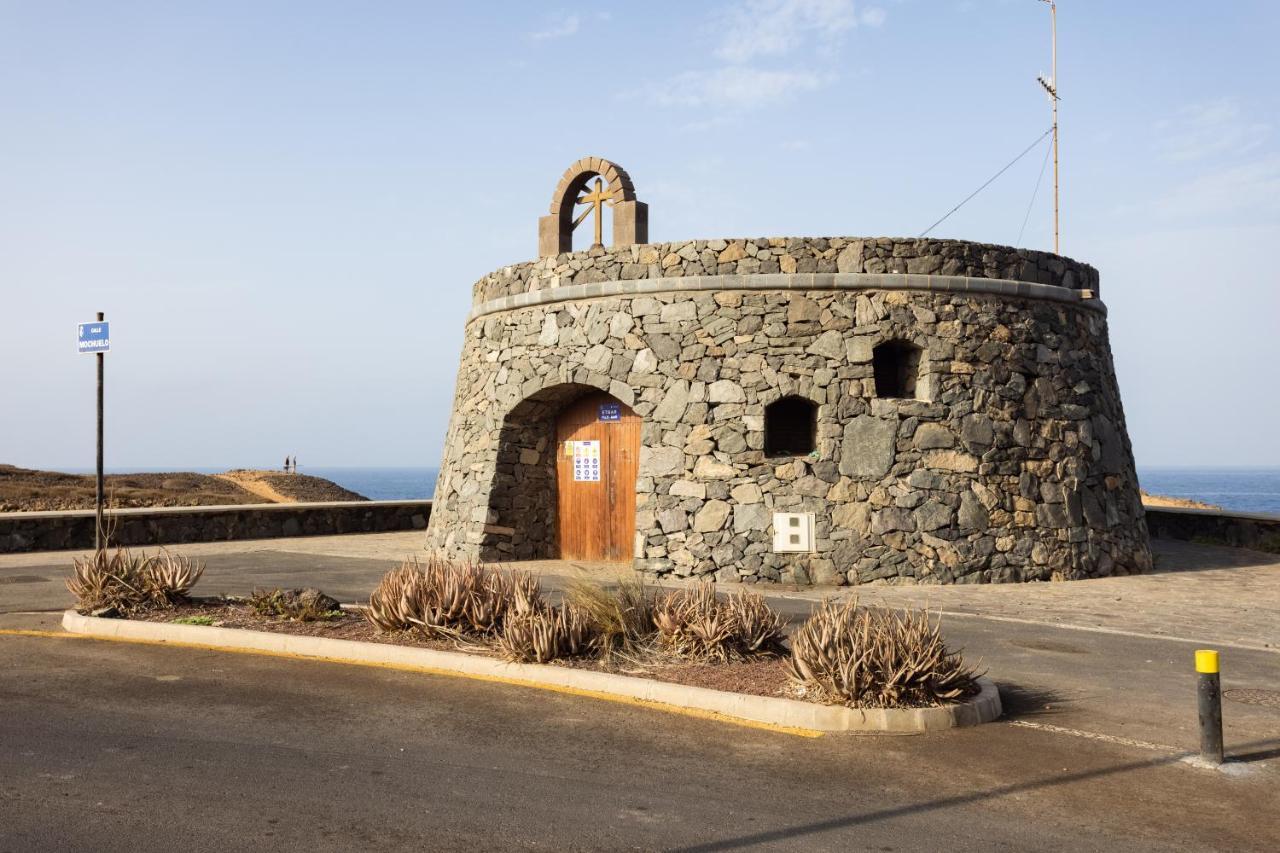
295,465
286,464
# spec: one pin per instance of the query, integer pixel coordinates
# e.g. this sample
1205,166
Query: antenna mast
1051,87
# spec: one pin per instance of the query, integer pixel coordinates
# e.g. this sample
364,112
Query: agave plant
545,634
694,623
874,657
444,599
128,582
171,576
758,628
395,600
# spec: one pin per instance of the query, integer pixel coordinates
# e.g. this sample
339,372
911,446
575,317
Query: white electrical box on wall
792,531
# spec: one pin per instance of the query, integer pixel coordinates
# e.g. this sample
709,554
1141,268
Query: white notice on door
586,461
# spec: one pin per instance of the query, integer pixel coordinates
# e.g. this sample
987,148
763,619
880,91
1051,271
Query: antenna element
1051,88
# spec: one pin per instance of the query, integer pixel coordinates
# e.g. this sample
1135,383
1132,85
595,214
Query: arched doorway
597,455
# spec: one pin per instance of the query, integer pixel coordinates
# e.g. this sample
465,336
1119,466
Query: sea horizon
1239,488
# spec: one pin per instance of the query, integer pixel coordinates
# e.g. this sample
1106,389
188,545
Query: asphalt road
121,747
1129,686
109,746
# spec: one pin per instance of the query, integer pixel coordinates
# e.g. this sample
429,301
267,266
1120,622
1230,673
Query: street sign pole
96,338
98,543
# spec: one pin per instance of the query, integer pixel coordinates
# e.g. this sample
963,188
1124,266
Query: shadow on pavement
1173,555
1021,702
1256,755
784,834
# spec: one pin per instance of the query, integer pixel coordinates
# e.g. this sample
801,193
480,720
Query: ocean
1239,489
381,484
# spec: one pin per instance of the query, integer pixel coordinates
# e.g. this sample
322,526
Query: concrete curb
770,712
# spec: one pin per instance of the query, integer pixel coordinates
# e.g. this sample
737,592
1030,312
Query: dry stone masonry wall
788,255
1012,465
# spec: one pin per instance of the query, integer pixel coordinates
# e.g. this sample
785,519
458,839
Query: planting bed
757,677
847,668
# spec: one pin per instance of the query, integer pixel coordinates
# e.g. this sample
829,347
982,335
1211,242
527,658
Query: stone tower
827,409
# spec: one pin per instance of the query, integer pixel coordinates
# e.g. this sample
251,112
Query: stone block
868,446
951,460
630,223
725,391
661,461
710,468
674,403
683,311
672,519
751,518
688,489
932,515
829,344
711,517
933,436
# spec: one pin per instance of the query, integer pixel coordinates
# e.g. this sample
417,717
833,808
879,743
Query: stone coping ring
792,282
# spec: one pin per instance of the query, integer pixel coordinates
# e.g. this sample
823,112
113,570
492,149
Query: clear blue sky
282,205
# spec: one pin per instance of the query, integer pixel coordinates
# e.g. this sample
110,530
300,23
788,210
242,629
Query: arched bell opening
598,196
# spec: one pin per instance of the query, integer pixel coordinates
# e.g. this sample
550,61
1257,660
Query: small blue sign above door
610,411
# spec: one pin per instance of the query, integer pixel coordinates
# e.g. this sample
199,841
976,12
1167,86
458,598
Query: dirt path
258,487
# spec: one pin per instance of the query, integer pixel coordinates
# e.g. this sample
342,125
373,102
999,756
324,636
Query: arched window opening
790,425
897,369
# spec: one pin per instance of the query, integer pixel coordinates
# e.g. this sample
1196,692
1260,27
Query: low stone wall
56,531
1216,527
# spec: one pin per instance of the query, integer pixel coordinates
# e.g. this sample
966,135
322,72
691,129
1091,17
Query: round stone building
799,409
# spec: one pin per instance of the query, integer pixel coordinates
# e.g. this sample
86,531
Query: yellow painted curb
51,635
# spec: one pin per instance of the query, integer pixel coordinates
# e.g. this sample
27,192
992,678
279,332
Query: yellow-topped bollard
1206,661
1209,702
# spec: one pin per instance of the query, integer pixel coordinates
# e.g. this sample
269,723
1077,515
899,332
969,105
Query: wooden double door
597,455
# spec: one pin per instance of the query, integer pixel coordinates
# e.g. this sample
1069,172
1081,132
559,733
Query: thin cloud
753,32
733,86
565,26
1250,190
778,27
1210,129
872,17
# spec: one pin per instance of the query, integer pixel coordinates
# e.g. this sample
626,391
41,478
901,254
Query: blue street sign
94,337
610,412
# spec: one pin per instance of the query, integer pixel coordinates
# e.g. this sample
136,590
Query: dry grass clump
878,658
694,623
621,617
444,599
125,582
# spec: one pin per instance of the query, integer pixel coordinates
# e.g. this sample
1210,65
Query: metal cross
596,200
